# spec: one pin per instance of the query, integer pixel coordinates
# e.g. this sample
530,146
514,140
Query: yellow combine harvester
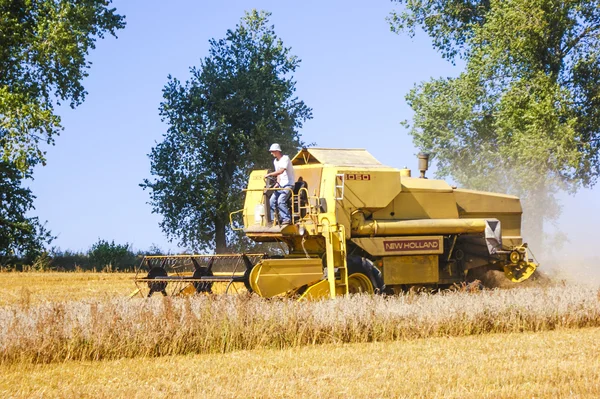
358,226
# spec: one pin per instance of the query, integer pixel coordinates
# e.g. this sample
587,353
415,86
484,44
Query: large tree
220,125
21,236
524,116
43,49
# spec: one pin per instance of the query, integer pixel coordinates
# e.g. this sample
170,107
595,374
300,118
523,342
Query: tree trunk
220,237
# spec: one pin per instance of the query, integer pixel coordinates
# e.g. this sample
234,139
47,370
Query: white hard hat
275,147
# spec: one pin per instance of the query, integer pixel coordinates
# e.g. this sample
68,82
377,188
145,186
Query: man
285,180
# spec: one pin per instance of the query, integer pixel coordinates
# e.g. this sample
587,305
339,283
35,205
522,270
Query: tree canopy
20,236
524,116
43,49
220,125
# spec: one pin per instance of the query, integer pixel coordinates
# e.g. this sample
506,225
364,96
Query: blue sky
354,74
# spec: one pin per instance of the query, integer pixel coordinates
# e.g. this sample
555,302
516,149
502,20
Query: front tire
363,276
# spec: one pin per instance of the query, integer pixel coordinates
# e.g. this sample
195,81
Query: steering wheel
270,181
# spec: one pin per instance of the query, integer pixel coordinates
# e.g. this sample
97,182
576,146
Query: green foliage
43,49
524,116
110,256
221,123
449,23
22,238
42,263
69,261
102,256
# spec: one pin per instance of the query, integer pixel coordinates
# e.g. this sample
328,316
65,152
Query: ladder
335,241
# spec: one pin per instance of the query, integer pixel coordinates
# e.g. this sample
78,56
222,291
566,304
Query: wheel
363,276
359,282
159,286
202,286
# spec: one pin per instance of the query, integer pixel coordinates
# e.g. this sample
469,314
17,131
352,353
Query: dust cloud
567,243
570,247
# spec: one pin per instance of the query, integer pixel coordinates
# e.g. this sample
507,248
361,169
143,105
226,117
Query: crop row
109,329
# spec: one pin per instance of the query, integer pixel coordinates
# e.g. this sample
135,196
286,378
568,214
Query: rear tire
363,276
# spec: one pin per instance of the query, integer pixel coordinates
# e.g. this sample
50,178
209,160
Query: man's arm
276,173
282,168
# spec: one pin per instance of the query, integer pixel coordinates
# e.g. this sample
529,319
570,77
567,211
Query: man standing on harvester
285,180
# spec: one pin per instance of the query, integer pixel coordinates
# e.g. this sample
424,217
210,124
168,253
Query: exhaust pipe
423,164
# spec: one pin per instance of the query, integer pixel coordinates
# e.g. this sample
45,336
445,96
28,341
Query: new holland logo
411,245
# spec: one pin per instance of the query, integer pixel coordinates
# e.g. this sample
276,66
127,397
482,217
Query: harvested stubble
551,364
29,288
94,330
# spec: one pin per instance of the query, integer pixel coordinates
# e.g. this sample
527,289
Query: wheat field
40,287
78,335
552,364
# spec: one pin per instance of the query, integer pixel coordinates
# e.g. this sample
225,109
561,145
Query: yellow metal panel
414,269
512,241
272,277
478,204
254,198
317,291
336,259
413,184
415,245
328,181
336,157
519,272
311,174
421,199
369,188
420,205
188,290
480,201
511,222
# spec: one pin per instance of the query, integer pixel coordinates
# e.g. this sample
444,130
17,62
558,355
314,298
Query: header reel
177,275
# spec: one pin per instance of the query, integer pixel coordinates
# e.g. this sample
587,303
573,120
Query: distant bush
111,257
103,256
68,261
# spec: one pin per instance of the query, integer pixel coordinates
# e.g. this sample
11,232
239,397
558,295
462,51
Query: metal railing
300,210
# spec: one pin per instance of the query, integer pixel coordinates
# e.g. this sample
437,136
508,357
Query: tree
110,256
524,116
21,237
43,49
221,123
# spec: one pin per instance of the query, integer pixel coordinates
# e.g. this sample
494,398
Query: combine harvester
358,226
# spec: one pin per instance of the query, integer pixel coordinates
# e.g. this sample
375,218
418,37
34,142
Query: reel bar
188,274
202,256
223,279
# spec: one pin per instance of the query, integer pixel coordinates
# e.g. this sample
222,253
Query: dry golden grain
110,329
557,364
35,288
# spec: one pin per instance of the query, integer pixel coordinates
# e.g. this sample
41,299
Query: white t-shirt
287,177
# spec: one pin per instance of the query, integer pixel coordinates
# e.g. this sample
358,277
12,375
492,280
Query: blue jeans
279,199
